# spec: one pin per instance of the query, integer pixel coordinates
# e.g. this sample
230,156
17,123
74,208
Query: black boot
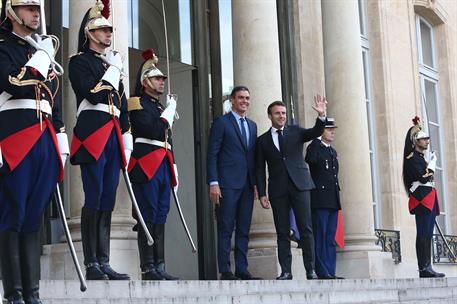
420,253
147,261
89,228
159,252
104,235
30,266
11,267
427,271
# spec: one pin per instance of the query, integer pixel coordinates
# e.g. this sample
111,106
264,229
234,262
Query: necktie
243,131
281,141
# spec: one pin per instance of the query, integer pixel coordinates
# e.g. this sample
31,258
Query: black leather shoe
311,275
326,277
285,276
246,276
430,273
93,272
113,275
228,276
338,278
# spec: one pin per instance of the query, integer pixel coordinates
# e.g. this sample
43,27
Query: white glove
432,163
175,168
42,58
64,148
1,158
113,73
128,146
169,113
114,59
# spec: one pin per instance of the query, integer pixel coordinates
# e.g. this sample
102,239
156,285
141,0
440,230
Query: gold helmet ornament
149,68
11,4
97,18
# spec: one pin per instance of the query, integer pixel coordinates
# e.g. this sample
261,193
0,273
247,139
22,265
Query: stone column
57,263
256,64
344,81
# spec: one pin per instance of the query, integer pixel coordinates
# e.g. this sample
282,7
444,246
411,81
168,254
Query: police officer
30,116
418,179
98,145
325,199
151,168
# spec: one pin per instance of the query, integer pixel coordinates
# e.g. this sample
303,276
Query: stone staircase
350,291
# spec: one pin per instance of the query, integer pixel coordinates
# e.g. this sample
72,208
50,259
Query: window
146,28
370,113
431,117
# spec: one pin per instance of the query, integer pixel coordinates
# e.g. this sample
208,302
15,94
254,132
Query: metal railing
389,240
440,251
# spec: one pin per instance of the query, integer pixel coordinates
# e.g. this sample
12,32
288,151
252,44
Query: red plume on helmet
148,54
106,8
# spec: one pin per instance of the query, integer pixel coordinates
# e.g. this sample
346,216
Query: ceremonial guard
325,199
418,179
30,117
151,168
101,141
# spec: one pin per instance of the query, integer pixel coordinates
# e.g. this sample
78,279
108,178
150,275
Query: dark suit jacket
323,165
229,162
292,165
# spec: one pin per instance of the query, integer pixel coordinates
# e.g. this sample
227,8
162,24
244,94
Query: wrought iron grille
440,251
389,240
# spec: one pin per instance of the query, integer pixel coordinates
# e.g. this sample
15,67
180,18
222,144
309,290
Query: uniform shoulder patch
410,155
134,104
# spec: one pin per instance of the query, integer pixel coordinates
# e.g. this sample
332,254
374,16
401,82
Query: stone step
352,291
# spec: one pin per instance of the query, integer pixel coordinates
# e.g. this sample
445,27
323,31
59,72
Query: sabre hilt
103,58
33,41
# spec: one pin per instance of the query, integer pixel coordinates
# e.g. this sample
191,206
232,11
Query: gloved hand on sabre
42,58
128,146
113,73
169,113
64,148
432,162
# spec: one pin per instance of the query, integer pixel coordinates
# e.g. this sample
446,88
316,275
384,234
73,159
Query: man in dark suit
281,147
231,177
325,199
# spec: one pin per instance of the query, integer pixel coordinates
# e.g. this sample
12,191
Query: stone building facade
378,62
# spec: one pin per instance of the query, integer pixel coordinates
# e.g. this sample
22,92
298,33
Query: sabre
436,222
59,71
167,54
136,208
183,220
63,218
175,194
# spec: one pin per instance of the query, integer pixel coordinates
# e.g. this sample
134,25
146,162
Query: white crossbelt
4,97
152,142
417,184
85,105
16,104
